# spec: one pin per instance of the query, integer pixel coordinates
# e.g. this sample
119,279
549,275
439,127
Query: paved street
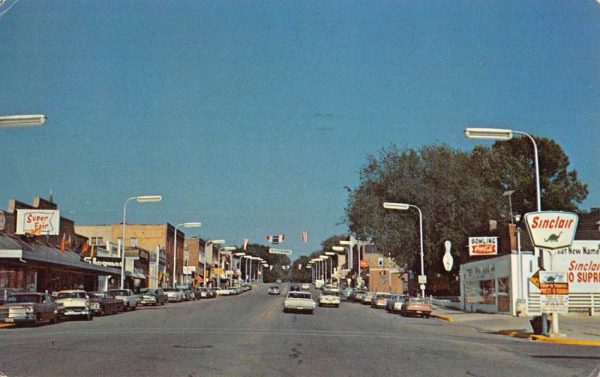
249,335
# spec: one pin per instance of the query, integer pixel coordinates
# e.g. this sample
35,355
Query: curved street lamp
209,242
7,121
139,199
185,225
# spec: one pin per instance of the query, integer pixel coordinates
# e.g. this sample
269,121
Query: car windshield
299,295
23,299
63,295
119,292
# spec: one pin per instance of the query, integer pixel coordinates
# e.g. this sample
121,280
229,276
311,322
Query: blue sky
252,116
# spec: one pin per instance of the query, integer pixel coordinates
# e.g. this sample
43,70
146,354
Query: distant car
102,303
187,293
222,291
367,298
278,281
329,298
305,287
379,300
173,294
416,306
394,303
299,301
206,293
346,293
294,288
359,294
76,303
246,287
274,290
153,296
30,309
130,299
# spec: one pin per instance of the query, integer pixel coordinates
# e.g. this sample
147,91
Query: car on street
152,296
329,298
347,293
379,301
274,290
394,303
305,286
76,304
205,293
359,294
294,288
30,309
173,294
102,303
188,294
367,298
130,299
246,287
416,306
299,301
222,291
278,281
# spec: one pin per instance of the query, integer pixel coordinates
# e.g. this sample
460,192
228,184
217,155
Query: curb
542,338
6,326
442,317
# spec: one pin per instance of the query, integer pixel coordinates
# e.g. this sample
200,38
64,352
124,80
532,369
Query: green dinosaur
553,237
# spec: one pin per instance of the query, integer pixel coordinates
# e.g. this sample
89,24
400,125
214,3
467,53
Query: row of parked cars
393,303
32,308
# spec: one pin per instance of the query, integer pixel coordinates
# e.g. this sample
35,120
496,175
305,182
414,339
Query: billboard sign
554,292
280,251
551,229
38,222
479,246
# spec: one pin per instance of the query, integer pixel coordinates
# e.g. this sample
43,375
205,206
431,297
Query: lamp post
324,259
330,255
404,207
509,194
209,242
185,225
139,199
241,258
10,121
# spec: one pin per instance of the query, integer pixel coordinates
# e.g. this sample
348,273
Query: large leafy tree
457,192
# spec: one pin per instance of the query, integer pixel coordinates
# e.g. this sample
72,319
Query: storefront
485,285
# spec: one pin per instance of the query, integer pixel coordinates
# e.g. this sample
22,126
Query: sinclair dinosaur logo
551,229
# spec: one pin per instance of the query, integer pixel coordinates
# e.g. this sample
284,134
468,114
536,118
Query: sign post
552,230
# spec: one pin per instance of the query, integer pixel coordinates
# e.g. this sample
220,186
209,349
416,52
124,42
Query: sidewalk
578,329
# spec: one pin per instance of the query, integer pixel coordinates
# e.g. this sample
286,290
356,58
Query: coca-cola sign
479,246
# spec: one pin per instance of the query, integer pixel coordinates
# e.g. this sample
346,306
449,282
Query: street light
504,134
139,199
404,207
509,194
185,225
7,121
209,242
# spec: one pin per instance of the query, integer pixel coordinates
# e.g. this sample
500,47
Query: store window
504,294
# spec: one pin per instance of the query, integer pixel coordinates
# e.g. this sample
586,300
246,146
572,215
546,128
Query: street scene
315,188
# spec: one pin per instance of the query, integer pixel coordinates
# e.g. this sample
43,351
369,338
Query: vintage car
368,298
76,303
173,294
206,293
416,306
130,299
102,303
274,290
299,301
379,300
329,298
394,303
305,286
152,296
30,309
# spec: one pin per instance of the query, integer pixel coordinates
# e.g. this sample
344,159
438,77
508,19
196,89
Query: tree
278,261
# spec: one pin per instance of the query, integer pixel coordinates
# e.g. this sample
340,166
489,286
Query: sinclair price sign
551,230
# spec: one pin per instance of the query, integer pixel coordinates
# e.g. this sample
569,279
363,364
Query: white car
305,287
329,298
299,301
173,294
130,299
222,291
76,303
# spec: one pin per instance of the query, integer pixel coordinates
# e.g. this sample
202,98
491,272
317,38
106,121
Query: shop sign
554,304
479,246
581,261
481,272
104,261
364,263
551,229
38,222
187,270
554,292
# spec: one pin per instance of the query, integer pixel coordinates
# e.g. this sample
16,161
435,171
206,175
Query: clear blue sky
251,116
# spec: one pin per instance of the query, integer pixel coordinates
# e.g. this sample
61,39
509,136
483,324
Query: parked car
222,291
247,286
394,303
30,309
152,296
299,301
368,298
278,281
173,294
347,293
274,290
329,298
130,299
305,286
359,294
416,306
294,288
379,300
205,293
76,303
102,303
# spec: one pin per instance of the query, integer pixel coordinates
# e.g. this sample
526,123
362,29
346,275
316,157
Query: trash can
537,325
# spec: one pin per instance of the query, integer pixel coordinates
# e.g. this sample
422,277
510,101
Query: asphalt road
249,335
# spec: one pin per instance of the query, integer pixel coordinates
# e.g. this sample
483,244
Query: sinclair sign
550,229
